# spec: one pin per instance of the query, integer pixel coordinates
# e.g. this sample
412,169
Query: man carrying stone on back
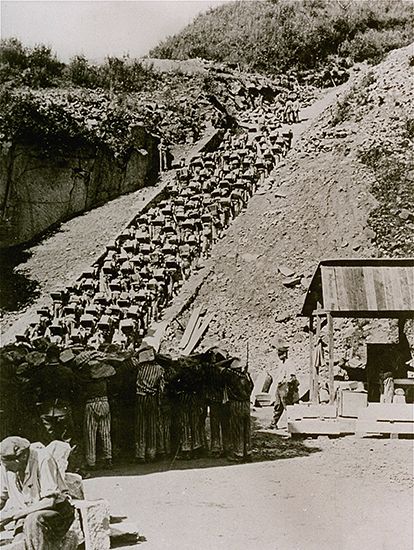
238,386
149,386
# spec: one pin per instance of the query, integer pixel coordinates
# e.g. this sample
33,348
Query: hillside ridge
294,35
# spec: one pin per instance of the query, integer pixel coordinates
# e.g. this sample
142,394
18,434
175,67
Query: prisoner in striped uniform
239,386
97,418
149,386
216,398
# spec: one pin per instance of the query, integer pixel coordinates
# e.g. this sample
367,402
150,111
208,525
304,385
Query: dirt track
343,494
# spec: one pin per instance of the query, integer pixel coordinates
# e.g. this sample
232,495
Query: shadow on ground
16,290
266,446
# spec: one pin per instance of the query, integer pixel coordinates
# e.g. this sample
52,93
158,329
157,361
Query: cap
35,358
52,353
13,446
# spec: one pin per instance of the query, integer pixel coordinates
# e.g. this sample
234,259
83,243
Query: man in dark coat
54,388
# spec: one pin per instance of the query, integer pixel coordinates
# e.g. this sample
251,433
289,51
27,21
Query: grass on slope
275,35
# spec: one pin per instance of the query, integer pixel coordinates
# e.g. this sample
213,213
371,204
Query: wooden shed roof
382,287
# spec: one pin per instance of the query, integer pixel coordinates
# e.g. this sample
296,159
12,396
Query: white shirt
42,479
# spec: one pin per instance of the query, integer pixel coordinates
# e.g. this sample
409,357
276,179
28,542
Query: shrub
55,121
36,67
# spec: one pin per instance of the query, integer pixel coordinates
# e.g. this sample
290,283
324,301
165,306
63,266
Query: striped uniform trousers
97,422
240,434
192,424
219,427
149,385
146,426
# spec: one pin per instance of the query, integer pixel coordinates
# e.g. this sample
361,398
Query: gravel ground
321,494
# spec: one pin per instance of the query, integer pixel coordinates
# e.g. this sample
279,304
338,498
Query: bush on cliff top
276,35
55,120
38,67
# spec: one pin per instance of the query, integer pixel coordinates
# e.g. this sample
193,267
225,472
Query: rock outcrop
38,191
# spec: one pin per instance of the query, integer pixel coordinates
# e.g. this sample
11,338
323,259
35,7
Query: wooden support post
331,357
315,399
401,326
311,361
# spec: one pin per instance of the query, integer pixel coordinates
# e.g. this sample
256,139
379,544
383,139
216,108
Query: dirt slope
318,206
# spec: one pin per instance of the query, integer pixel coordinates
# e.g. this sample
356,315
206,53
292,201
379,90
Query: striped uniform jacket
150,378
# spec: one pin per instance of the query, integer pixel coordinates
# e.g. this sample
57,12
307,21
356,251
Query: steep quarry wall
38,191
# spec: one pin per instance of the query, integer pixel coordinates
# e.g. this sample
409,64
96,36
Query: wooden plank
388,274
190,327
370,288
311,358
371,426
396,289
409,271
330,300
341,290
315,384
403,381
405,288
299,411
331,358
198,333
379,290
388,412
314,426
357,288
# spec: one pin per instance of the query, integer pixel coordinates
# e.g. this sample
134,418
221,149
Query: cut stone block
75,485
95,523
76,527
291,281
286,271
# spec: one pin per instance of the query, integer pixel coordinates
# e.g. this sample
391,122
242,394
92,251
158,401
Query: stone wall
38,191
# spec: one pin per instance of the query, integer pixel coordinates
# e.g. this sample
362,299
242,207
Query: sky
97,28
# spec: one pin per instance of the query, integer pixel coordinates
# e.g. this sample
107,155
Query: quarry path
61,256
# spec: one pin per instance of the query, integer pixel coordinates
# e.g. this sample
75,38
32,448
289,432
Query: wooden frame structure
353,288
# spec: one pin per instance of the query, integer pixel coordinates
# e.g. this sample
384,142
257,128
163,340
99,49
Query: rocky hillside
345,190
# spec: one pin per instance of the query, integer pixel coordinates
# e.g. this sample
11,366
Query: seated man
33,494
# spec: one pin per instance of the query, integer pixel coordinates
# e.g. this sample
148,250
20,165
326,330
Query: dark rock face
38,191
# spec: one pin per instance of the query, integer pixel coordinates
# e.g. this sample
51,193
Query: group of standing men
173,400
159,403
